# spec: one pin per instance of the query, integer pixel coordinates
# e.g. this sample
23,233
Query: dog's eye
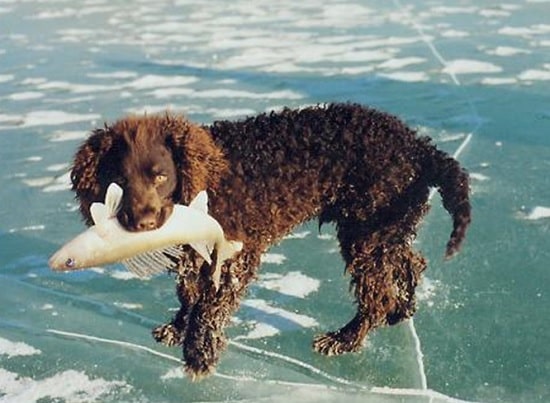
160,179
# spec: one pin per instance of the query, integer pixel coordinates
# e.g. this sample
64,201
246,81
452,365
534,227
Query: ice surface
474,76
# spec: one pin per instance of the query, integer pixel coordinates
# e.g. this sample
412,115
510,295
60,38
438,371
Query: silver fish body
145,253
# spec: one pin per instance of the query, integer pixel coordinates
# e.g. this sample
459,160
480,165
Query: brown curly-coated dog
361,169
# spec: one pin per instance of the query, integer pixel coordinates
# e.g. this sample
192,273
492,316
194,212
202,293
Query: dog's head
157,160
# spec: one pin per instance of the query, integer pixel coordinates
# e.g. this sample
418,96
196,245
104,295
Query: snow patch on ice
498,80
4,78
538,212
443,10
58,167
174,373
46,118
128,305
426,291
125,275
262,305
538,29
25,96
453,33
398,63
507,51
259,330
273,258
535,75
34,158
298,235
479,177
59,184
468,66
154,81
71,386
293,283
38,227
407,76
269,320
114,74
226,113
151,109
38,182
494,13
16,349
67,135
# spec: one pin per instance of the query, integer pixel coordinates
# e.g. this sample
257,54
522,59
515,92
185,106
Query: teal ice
474,75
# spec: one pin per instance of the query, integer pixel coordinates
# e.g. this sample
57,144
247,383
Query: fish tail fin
228,249
224,250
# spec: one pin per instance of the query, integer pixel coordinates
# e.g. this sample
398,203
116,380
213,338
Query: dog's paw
167,334
201,364
201,352
197,371
336,343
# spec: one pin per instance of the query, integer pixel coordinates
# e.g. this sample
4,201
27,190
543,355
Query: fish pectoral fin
203,249
200,202
113,197
154,262
99,213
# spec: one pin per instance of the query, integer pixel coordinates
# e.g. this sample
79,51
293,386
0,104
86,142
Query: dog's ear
85,177
199,161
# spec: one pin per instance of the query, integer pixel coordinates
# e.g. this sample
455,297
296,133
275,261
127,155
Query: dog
361,169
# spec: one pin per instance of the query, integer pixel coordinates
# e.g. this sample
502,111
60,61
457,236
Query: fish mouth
55,262
59,262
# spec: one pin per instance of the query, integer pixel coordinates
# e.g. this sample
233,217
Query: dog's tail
452,182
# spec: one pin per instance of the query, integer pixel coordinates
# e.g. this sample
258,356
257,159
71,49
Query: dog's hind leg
384,270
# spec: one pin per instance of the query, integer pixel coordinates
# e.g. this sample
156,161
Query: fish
151,252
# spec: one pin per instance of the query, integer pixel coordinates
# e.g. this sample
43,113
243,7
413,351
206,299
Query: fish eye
70,262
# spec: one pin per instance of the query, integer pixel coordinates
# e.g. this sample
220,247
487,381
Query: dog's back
340,162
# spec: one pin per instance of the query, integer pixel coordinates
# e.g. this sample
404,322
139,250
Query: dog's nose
147,223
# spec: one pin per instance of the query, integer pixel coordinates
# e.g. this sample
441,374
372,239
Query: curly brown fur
359,168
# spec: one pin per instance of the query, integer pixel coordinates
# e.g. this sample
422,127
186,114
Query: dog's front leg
172,333
188,290
205,339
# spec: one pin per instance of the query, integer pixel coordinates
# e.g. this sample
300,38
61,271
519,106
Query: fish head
61,261
79,253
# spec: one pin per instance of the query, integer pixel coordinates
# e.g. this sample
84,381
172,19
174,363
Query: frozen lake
474,75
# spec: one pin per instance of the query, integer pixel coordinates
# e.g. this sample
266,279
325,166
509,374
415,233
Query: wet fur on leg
384,269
